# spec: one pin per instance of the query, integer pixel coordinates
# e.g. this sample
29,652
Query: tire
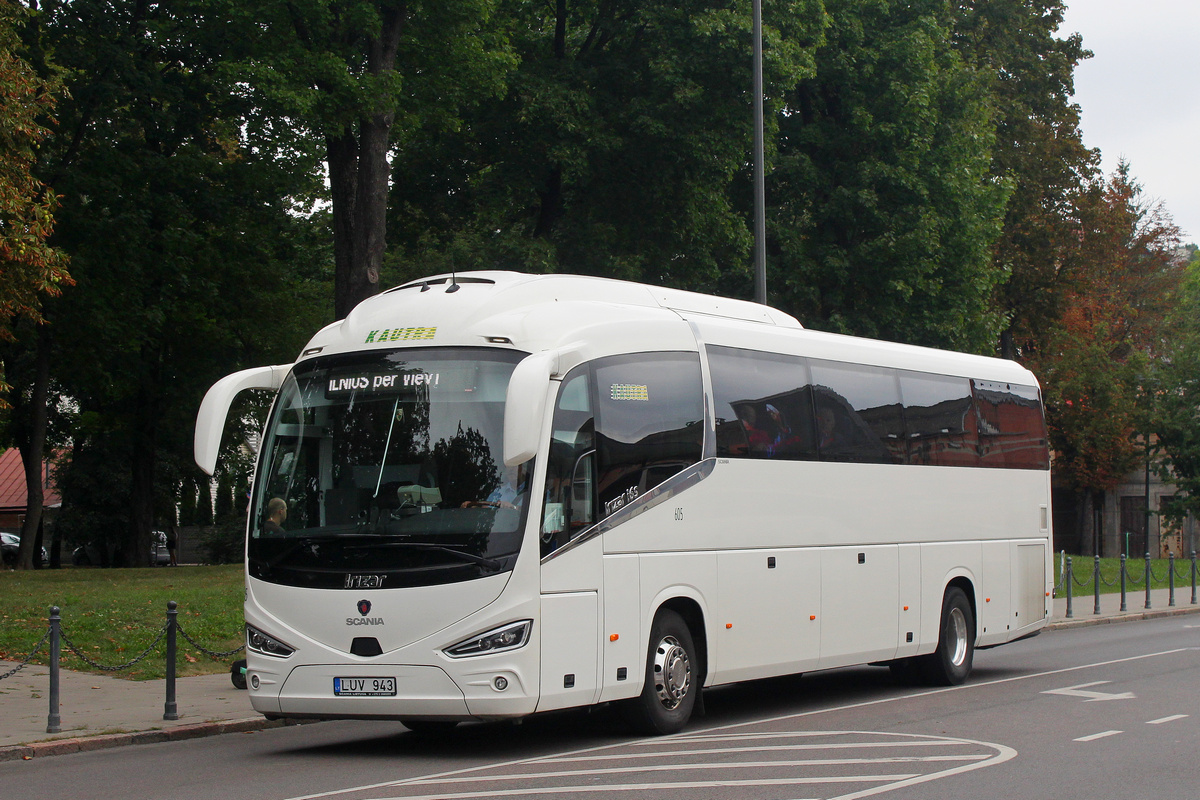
950,664
429,727
672,671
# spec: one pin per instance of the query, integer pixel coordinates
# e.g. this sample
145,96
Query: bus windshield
385,469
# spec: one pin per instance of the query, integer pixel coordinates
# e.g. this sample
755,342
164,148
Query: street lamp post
760,203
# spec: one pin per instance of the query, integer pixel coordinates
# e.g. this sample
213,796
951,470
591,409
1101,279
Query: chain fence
1067,580
56,638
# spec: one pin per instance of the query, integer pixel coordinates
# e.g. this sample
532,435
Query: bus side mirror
525,406
210,420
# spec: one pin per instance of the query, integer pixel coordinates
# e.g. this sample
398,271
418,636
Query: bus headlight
508,637
266,645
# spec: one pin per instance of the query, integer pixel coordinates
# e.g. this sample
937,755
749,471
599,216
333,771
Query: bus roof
600,316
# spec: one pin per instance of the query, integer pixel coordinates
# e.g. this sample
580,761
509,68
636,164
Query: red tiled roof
12,483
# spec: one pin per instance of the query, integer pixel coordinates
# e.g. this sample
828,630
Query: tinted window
1012,432
568,493
859,416
651,423
763,405
939,420
621,426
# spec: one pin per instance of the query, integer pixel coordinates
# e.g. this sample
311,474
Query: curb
84,744
1128,616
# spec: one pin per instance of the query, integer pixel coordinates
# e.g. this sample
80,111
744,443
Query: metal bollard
171,708
54,718
1096,583
1171,577
1147,579
1070,578
1193,577
1124,566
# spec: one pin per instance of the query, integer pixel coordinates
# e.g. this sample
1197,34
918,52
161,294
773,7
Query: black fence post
1096,583
1147,579
1193,577
171,708
54,718
1171,577
1069,580
1124,566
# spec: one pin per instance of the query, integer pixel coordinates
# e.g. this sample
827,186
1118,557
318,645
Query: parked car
94,554
10,545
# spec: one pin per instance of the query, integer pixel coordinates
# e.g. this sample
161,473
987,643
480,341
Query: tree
1038,151
184,242
358,76
622,147
1175,396
883,206
30,268
1097,360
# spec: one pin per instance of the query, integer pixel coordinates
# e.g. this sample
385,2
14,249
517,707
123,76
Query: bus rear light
497,640
266,645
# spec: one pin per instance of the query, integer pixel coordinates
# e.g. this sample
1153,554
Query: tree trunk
359,173
32,444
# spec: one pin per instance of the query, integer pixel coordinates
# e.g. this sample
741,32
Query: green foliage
1096,361
1038,152
30,268
188,257
885,208
621,148
1175,414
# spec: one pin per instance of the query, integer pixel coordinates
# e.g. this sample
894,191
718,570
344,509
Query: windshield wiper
483,561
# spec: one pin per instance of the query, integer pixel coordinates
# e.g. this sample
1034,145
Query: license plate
364,687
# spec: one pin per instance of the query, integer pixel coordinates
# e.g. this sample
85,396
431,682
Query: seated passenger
276,514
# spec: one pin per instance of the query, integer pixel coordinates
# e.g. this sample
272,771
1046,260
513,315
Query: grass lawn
112,615
1083,568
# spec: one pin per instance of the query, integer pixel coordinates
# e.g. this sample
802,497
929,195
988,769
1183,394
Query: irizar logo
364,608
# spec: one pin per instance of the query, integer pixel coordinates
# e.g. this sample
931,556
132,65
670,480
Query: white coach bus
488,495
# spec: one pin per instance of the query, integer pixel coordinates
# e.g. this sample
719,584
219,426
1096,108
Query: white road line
918,695
763,749
675,767
1009,753
1171,718
1093,737
648,787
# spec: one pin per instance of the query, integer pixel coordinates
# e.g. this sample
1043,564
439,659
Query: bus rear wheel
669,692
950,664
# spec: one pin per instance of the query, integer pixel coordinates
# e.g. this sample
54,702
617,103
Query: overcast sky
1140,95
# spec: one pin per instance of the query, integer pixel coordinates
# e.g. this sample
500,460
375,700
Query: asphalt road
1109,711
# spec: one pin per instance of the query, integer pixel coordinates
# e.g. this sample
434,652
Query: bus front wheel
950,664
669,693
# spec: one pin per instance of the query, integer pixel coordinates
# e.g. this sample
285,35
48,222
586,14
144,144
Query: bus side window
1012,430
567,507
939,420
865,405
763,405
651,424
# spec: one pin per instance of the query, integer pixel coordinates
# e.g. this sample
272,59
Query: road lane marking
1093,737
646,787
1171,718
1008,752
1092,697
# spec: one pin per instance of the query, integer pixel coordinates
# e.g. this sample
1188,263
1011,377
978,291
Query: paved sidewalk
99,711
